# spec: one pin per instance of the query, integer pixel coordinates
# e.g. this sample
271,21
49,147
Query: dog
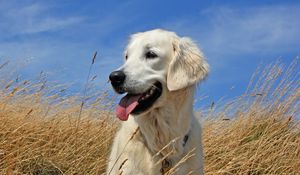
161,134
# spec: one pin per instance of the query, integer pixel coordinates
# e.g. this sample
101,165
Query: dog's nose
117,78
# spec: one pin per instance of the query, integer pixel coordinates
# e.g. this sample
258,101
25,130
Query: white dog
161,134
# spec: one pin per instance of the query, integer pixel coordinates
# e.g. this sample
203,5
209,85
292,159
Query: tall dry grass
43,132
40,138
259,132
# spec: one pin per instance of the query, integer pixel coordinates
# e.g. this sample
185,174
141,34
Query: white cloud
245,30
265,29
31,18
61,52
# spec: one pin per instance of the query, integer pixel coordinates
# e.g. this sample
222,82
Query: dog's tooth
151,91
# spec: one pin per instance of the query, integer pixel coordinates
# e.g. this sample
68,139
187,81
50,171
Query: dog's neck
168,124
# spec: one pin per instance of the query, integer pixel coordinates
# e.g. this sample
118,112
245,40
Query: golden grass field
44,133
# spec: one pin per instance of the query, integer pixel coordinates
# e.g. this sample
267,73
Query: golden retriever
160,134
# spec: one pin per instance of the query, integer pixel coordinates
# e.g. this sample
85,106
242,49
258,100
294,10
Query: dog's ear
188,65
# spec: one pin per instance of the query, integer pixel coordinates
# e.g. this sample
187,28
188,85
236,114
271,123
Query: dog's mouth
138,103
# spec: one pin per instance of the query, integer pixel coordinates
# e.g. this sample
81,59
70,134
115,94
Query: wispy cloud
263,29
18,18
245,30
58,42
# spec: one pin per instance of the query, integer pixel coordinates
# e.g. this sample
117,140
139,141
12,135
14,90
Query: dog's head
156,62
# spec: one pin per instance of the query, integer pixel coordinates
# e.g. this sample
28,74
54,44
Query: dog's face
156,62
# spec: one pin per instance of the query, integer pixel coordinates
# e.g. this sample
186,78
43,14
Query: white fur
179,66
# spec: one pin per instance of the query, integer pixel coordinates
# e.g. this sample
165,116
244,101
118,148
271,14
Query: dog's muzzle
117,79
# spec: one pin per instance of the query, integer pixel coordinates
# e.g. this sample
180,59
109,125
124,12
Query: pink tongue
126,106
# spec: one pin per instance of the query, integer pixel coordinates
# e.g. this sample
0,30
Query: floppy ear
187,67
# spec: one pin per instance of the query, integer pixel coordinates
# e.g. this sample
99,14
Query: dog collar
186,138
166,164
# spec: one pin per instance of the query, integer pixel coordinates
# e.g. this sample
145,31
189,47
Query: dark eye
151,54
126,57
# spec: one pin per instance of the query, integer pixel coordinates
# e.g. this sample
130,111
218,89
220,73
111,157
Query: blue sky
59,37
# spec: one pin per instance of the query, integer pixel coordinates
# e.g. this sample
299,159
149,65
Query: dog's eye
126,57
151,55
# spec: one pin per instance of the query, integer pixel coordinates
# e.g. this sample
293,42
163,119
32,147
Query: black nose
117,78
